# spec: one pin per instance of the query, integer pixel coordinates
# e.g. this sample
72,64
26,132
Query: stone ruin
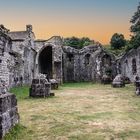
61,63
40,87
23,58
119,81
106,79
50,57
54,84
137,84
9,116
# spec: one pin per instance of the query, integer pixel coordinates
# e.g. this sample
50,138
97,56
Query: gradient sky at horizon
97,19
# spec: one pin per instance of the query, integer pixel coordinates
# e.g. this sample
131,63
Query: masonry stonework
22,58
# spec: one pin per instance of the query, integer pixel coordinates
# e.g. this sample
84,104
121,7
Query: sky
96,19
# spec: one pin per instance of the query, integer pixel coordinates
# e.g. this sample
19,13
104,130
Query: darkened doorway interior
45,61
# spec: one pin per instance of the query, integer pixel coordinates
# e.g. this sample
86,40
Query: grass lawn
80,111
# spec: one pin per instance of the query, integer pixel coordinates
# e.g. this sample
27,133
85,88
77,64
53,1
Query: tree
77,43
73,42
135,29
117,41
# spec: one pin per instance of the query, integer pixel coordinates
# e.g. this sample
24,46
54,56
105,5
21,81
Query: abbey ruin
22,58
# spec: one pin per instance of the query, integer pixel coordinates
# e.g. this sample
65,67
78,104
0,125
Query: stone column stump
40,88
8,113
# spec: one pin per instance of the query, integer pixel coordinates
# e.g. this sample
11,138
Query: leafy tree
117,41
135,29
77,43
85,41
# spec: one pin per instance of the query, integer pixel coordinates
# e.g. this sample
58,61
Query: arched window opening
106,60
70,57
87,59
45,61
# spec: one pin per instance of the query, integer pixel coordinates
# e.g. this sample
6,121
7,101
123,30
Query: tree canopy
135,29
78,43
117,41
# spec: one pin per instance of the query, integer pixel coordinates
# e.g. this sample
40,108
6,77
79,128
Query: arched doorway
45,61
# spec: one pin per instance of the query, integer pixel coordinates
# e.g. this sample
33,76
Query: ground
80,111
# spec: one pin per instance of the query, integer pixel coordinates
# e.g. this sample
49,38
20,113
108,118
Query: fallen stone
118,81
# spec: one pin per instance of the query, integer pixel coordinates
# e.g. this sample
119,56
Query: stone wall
8,113
4,71
20,63
22,57
129,64
55,43
86,64
5,47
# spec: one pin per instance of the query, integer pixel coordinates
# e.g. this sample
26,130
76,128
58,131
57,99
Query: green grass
16,133
79,111
97,116
77,85
21,92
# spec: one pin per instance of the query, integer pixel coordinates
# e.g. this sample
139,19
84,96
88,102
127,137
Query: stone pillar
8,113
40,88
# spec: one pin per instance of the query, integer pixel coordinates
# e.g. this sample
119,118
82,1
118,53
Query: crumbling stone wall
129,64
23,56
8,113
20,52
5,46
86,64
8,109
56,44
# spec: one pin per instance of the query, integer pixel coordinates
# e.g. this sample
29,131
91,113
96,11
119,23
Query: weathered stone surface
8,113
87,64
106,79
129,64
54,84
40,88
137,84
22,58
118,81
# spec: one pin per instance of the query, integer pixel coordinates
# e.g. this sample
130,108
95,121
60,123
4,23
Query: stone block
8,113
40,88
118,82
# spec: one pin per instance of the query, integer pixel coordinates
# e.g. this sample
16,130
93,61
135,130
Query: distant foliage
135,29
78,43
117,41
116,52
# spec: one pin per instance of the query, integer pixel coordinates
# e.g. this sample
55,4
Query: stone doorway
45,62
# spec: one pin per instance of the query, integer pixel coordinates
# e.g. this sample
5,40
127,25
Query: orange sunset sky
98,20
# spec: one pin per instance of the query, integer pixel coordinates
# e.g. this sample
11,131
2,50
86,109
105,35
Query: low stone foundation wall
8,113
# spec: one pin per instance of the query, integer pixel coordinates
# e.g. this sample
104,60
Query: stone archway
45,62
